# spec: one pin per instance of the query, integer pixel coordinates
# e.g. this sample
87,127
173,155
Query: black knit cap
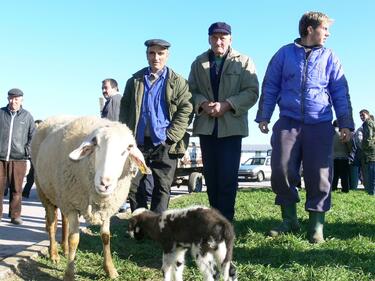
15,93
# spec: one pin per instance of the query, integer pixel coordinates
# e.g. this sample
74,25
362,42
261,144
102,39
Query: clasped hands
215,109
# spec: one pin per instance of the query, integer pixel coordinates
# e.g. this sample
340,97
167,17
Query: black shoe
16,221
25,195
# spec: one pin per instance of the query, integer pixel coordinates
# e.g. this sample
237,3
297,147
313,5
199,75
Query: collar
160,73
298,43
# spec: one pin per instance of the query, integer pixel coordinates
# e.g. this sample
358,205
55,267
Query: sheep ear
84,150
137,157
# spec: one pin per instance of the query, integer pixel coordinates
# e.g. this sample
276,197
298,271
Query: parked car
255,168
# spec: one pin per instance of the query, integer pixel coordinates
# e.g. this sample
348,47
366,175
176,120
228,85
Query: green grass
348,254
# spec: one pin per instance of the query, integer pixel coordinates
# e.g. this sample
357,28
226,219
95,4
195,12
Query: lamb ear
137,157
84,150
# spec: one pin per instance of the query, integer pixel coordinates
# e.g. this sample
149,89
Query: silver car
255,168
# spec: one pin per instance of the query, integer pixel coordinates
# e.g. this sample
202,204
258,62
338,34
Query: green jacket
368,141
238,85
178,98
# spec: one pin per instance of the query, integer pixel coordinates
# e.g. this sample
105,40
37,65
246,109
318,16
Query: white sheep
208,234
83,166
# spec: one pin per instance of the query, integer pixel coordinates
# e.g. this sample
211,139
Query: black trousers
29,181
221,161
163,167
341,171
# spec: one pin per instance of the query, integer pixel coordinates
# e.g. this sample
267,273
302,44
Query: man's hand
263,126
216,109
345,135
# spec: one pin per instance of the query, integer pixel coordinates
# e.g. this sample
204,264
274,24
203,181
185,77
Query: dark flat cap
219,27
157,42
15,92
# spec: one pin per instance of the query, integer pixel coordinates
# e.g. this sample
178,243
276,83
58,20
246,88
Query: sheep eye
94,141
130,146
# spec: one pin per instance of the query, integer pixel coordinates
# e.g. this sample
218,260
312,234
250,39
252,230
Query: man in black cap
224,87
156,106
17,128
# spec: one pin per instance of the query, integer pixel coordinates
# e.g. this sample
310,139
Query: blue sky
58,52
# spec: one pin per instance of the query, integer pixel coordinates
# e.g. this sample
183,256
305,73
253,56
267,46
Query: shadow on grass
145,253
342,231
33,270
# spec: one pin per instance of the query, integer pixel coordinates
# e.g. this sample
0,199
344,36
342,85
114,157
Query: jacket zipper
304,86
13,114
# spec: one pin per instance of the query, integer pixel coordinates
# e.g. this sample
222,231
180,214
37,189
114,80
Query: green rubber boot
289,223
316,222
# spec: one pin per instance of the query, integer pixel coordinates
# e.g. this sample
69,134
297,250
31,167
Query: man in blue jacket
306,80
17,128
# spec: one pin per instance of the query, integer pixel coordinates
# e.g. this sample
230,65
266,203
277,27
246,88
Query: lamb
208,234
83,166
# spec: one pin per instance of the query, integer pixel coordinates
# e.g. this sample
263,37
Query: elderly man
111,109
17,128
156,106
224,86
306,81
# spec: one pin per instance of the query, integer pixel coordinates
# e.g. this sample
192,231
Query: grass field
348,254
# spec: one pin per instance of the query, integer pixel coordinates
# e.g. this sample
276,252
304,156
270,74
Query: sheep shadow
141,252
30,269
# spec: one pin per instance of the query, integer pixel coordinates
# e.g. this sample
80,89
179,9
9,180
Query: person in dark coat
17,128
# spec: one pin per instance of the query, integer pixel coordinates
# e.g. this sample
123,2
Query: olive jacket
179,104
238,85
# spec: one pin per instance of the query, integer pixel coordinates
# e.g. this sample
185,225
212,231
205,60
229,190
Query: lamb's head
135,229
114,149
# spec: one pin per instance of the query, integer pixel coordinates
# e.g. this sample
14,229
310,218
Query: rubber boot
316,222
289,223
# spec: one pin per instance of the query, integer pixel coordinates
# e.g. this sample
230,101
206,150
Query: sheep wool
84,166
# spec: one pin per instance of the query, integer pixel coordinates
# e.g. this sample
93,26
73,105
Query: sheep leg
108,263
228,269
179,264
65,235
220,254
168,260
51,226
73,241
206,263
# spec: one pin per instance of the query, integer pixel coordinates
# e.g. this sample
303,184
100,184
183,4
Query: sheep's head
112,147
135,224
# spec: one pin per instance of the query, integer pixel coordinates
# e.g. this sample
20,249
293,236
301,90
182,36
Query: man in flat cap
157,107
17,128
224,87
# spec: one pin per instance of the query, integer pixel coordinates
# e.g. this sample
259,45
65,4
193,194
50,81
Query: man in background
30,176
111,109
17,128
368,148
